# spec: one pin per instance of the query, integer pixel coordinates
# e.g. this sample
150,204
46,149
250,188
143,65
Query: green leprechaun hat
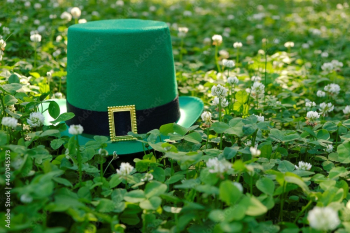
121,78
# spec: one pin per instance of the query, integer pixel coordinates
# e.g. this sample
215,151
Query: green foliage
205,178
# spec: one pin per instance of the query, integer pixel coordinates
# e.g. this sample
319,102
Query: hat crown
120,62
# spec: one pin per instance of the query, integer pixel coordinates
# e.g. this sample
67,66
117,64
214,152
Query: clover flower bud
217,39
75,129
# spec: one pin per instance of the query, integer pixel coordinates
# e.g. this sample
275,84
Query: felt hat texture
118,63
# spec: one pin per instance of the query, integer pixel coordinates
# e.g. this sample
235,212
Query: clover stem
217,59
143,147
101,166
282,202
35,55
59,86
265,68
181,47
302,211
251,184
220,121
79,161
206,144
107,166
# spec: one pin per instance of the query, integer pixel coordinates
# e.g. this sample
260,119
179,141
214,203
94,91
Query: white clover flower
315,31
27,4
346,110
328,66
224,54
9,122
289,44
58,38
224,103
215,101
36,22
248,143
239,186
37,5
115,155
56,53
337,64
26,198
326,107
256,78
207,41
217,39
218,166
95,13
255,151
2,44
324,54
120,3
237,45
305,46
321,94
82,21
250,38
125,169
36,119
187,13
76,12
332,89
102,152
317,52
323,218
147,177
276,41
261,52
182,30
303,166
58,95
219,91
52,16
228,63
310,104
66,16
75,129
232,80
49,74
41,28
206,117
260,118
1,54
10,1
329,148
5,30
258,89
35,38
313,116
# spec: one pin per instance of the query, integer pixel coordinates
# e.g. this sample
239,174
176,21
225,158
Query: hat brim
190,110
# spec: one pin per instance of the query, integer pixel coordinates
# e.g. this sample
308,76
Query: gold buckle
126,108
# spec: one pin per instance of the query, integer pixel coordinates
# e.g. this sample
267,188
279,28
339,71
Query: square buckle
111,120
